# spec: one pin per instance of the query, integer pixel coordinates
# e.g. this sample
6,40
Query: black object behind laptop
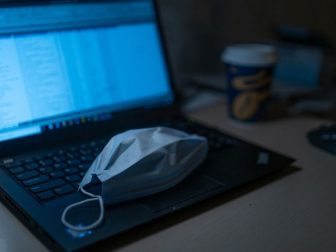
74,74
324,138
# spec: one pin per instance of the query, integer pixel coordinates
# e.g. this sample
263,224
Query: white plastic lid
250,55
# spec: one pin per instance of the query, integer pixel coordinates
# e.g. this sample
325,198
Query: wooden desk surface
293,213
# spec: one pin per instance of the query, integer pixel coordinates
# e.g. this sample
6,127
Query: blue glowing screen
112,61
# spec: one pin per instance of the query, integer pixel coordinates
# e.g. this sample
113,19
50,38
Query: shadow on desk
165,222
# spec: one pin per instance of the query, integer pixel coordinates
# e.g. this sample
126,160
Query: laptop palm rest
192,189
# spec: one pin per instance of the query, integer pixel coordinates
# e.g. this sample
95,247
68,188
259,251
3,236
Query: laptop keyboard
57,173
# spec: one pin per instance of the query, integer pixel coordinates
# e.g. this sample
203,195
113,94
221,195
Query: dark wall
198,30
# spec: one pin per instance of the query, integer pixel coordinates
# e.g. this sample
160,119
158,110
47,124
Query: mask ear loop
90,226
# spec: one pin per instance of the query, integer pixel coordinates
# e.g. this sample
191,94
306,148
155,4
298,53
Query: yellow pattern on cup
246,104
258,80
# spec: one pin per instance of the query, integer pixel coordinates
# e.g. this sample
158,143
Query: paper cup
249,75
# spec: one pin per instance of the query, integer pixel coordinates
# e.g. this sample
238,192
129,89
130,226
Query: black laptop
72,75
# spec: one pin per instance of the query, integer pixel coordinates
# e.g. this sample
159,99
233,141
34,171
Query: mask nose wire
90,226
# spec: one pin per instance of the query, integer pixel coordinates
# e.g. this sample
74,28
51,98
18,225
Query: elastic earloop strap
91,226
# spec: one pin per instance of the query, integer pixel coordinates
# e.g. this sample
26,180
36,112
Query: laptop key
37,180
46,170
64,190
97,149
27,175
47,186
60,158
32,166
13,164
85,152
84,167
71,170
46,162
46,195
17,170
57,174
72,155
74,162
28,161
60,166
87,158
73,178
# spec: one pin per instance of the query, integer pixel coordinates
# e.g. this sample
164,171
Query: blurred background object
198,31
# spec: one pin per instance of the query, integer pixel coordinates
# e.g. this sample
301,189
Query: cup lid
250,54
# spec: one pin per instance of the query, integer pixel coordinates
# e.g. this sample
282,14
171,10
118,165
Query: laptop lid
68,69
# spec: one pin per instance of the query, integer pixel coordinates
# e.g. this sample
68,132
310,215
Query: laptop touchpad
192,189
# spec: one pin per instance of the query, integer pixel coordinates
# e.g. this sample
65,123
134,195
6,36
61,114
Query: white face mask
138,163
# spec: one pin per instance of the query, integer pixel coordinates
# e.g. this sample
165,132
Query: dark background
198,30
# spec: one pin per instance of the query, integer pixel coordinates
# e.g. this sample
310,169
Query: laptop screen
69,63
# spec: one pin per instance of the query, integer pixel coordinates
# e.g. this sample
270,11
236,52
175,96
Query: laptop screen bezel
121,120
